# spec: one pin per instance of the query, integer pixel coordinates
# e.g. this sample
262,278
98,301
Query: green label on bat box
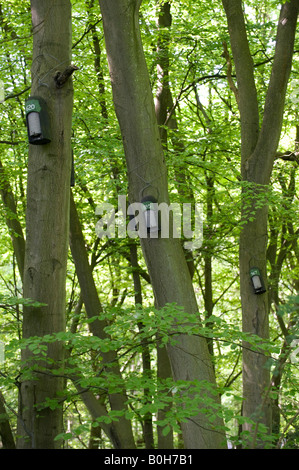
33,105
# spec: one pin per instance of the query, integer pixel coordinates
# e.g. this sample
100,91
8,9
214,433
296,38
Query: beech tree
165,259
258,148
47,221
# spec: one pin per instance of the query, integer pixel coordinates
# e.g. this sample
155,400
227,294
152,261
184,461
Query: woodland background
99,375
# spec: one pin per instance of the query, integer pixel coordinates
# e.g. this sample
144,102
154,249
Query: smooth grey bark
258,149
147,173
47,224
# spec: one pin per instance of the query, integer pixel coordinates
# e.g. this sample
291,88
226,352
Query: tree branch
61,78
248,103
274,105
15,95
229,72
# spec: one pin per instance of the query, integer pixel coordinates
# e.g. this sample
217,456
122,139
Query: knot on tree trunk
61,78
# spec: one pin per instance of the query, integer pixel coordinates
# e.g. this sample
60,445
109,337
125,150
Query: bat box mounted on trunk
38,121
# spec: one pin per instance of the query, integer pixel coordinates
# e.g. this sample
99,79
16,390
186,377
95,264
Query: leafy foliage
208,129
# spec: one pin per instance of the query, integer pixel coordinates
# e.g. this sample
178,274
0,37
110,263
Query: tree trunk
12,221
147,172
257,155
6,434
146,355
47,219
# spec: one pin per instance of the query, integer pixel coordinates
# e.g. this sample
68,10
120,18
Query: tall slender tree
258,147
165,258
47,221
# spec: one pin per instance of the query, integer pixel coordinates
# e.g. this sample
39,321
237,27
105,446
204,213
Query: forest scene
149,255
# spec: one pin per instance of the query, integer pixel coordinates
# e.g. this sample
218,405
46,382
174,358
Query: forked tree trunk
47,223
147,172
258,148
